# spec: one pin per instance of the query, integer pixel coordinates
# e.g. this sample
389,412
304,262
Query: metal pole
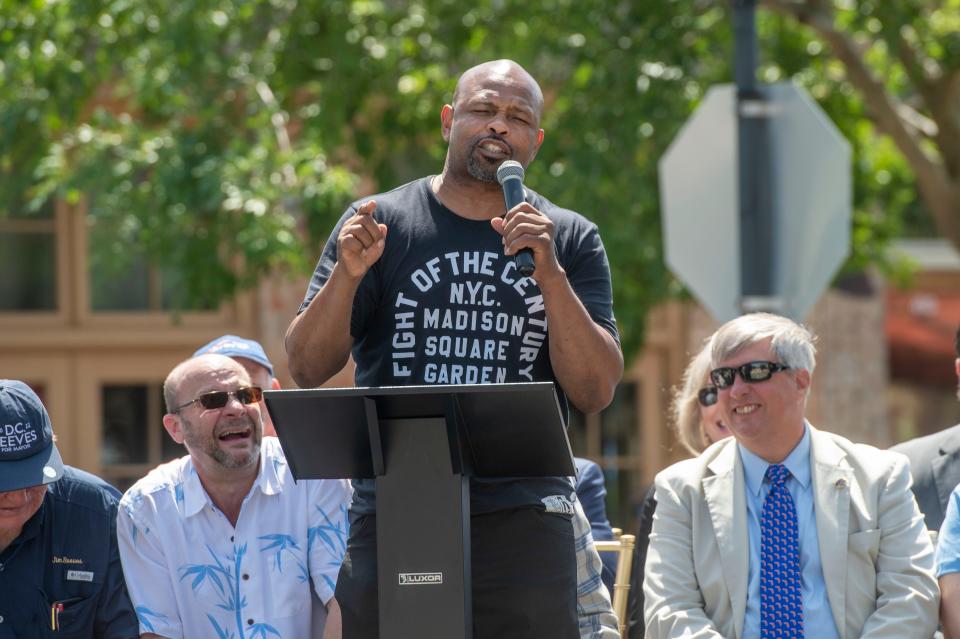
756,217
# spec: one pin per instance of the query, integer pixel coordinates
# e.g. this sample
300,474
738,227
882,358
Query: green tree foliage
902,59
224,138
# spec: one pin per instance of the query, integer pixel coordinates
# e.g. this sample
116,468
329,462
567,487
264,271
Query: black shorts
524,576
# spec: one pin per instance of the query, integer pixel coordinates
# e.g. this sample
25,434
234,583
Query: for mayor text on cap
28,455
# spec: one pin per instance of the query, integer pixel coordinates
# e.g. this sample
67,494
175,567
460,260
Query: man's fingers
363,234
361,240
531,235
365,229
350,244
524,228
522,213
531,241
367,208
523,209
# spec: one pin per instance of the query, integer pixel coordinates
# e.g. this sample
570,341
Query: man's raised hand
361,241
526,227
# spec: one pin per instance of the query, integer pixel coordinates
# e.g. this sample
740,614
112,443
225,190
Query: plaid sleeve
597,620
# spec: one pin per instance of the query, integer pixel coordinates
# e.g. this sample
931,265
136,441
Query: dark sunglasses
218,399
751,372
707,396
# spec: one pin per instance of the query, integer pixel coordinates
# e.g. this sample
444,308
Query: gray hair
685,407
792,343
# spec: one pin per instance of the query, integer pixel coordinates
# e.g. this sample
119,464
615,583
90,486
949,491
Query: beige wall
278,299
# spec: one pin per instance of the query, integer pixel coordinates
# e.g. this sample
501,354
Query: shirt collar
797,462
272,467
268,482
191,490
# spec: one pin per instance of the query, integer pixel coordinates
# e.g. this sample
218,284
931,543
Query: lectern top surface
506,429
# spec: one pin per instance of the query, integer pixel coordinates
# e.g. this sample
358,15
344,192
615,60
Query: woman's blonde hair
685,408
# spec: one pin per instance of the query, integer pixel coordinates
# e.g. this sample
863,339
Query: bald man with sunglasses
223,542
784,530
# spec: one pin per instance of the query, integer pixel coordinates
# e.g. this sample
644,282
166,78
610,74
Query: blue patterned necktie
781,607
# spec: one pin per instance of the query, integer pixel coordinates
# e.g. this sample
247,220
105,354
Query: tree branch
917,121
933,89
907,56
939,192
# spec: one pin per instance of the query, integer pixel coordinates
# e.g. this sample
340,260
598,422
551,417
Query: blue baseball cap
233,346
28,456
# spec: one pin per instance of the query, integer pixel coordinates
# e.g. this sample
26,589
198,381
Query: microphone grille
509,169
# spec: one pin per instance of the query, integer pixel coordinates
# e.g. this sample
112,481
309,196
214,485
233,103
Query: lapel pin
841,483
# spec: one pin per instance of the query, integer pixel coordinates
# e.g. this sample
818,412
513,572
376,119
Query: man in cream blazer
864,555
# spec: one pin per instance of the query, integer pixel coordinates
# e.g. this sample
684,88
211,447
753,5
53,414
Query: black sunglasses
751,372
218,399
707,396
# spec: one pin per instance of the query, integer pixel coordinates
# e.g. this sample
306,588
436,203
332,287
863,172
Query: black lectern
422,444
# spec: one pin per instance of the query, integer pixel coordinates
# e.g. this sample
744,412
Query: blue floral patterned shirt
191,573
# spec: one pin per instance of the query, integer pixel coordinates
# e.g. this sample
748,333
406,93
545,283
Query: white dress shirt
191,573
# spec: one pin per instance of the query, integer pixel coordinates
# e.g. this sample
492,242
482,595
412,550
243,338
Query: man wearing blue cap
249,354
60,572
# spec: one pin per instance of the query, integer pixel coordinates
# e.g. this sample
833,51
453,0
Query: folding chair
623,546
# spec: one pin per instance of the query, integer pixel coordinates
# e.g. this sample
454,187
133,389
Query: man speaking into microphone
421,284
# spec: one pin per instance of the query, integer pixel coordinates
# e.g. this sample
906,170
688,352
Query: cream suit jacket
876,553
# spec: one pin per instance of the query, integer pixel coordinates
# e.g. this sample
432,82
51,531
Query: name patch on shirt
79,575
66,560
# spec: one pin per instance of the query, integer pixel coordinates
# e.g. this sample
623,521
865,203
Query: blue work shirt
67,554
817,616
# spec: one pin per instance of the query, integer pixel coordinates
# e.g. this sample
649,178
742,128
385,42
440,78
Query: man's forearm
950,605
586,359
334,625
318,340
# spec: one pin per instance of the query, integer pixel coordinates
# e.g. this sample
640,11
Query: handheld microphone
510,177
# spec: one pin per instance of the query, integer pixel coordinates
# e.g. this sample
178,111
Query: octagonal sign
811,199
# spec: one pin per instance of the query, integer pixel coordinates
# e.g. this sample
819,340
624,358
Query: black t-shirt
444,305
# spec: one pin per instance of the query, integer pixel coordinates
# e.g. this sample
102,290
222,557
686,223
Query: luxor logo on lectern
420,578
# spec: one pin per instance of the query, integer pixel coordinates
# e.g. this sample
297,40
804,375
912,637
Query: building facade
96,341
